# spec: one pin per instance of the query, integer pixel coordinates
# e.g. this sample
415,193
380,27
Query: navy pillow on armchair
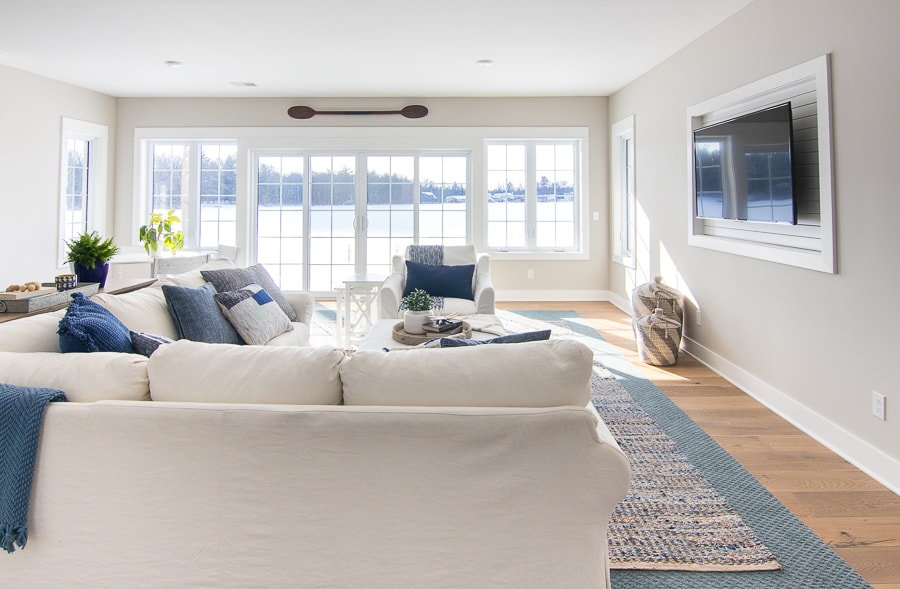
440,281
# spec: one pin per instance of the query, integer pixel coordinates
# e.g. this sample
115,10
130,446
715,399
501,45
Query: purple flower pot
96,274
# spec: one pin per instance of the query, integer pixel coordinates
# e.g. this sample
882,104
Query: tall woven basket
656,295
658,338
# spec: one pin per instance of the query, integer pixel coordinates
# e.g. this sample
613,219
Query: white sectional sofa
215,465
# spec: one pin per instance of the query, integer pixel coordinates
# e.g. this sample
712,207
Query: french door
321,217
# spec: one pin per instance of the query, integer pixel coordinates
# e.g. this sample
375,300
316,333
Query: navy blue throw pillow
512,338
197,316
146,343
440,281
90,327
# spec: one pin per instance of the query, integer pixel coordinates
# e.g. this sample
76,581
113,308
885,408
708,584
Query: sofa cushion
459,255
234,278
534,374
253,314
194,278
88,327
143,310
83,377
297,336
223,373
197,316
36,333
440,281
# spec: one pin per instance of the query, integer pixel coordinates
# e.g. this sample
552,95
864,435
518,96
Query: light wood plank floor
855,515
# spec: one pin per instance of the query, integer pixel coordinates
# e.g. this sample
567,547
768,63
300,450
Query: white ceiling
337,48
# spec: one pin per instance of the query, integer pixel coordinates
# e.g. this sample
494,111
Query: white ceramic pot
413,320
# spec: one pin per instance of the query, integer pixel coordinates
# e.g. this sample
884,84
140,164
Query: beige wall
31,112
812,345
572,279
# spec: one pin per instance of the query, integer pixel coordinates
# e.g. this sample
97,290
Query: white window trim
98,137
366,139
623,205
811,247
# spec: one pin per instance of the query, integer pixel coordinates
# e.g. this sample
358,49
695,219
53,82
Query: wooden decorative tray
414,339
15,296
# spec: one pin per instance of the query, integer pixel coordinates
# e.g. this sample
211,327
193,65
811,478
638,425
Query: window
315,204
532,196
623,194
82,180
198,181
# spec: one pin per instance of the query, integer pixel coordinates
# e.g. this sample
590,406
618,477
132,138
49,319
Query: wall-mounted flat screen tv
742,168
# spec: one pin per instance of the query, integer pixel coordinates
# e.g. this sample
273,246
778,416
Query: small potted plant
161,228
90,255
417,307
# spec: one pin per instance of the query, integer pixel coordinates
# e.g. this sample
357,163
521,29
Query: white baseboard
855,450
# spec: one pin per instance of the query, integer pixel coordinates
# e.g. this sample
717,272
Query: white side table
357,307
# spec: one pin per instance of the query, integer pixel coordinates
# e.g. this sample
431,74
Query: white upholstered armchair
479,296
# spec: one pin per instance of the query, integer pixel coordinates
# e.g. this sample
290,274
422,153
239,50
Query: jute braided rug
672,519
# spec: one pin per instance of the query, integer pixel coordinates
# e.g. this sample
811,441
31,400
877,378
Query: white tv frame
804,246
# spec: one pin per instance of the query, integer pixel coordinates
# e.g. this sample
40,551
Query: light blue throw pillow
253,313
197,316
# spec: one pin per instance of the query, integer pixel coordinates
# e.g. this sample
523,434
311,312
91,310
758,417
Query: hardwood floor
852,513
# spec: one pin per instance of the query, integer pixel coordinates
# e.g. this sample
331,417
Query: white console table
356,307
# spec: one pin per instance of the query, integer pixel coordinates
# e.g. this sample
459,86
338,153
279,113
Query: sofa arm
484,295
389,295
303,303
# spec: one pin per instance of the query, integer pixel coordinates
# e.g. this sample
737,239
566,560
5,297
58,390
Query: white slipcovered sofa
217,465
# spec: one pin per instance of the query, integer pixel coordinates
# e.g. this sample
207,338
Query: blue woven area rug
806,561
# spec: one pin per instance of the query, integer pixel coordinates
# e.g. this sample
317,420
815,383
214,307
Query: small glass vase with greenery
161,229
417,307
90,255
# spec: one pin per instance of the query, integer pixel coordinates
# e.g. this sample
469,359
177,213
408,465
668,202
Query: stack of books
443,325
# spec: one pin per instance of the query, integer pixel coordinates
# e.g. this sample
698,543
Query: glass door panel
390,210
332,212
279,219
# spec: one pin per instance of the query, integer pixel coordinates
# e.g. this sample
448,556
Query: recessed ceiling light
485,62
173,63
243,84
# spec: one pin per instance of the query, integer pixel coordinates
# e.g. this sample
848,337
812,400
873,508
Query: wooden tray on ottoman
414,339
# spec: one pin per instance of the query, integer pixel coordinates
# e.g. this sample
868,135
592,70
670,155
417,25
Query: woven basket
658,338
656,295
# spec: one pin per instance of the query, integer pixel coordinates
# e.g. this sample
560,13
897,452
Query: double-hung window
533,197
82,180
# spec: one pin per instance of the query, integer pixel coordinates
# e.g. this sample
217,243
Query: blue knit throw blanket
21,415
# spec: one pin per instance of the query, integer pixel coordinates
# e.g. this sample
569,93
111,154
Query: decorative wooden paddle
413,111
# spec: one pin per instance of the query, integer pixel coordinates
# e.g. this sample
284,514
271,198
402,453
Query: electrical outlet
699,322
878,405
530,274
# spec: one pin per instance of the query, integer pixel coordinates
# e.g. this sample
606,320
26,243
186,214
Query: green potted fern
417,307
89,255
